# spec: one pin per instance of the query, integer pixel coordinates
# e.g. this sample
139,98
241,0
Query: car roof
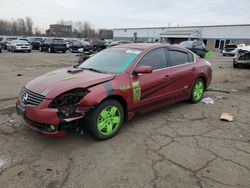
148,46
20,41
142,46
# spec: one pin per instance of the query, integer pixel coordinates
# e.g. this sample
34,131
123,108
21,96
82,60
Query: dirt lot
183,145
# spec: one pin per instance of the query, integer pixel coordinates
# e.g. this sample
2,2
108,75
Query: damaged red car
111,87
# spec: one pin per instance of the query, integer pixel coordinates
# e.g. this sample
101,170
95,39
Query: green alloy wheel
197,91
105,120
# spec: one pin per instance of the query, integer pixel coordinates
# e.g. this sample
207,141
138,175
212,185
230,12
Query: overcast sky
129,13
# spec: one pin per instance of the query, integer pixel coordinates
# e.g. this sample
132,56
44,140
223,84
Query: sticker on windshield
133,51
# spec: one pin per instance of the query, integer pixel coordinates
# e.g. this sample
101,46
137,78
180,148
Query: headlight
207,62
67,102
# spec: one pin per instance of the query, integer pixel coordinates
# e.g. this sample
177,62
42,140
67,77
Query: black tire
235,65
29,51
193,99
91,118
64,51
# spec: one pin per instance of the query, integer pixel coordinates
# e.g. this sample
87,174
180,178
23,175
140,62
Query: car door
151,87
183,69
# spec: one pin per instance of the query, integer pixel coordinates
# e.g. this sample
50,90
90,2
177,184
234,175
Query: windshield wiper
92,69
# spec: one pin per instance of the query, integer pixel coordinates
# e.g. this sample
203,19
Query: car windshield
113,60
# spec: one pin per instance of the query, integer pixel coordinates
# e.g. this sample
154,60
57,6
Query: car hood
56,82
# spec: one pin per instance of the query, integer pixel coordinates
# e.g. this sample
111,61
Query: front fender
100,92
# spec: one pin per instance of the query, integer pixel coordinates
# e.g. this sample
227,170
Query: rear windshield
11,38
113,60
38,39
231,46
58,41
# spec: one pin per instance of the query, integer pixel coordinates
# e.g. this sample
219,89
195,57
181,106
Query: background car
53,45
242,57
113,86
19,45
6,41
115,43
198,47
75,45
98,45
229,50
0,49
35,42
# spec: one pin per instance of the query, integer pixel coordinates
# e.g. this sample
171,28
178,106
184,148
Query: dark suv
197,47
35,42
53,45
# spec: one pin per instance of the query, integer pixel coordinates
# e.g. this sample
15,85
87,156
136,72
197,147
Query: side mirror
143,70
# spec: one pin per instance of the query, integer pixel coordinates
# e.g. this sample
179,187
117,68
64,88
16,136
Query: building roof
233,25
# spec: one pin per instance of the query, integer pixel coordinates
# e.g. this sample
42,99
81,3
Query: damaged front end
242,57
69,111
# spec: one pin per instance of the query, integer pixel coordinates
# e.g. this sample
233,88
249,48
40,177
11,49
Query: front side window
156,59
113,60
178,58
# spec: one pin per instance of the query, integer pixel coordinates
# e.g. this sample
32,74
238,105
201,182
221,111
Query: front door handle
194,69
166,77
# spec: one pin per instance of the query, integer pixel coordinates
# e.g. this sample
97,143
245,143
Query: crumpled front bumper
43,119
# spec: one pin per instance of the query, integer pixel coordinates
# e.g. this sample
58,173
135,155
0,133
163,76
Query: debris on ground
226,117
207,100
19,75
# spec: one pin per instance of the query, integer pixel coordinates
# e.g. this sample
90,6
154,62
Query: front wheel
105,120
197,90
235,65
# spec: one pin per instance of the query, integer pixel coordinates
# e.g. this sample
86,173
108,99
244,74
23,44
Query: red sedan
111,87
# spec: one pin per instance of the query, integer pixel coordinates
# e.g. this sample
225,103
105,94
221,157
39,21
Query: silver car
19,45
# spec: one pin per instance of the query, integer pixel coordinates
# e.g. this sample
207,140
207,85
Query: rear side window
178,58
156,58
191,57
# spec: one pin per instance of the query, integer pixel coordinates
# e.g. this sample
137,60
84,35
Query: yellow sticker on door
136,91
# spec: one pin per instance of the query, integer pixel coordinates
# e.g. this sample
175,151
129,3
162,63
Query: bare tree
29,26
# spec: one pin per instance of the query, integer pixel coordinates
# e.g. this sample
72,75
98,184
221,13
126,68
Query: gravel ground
183,145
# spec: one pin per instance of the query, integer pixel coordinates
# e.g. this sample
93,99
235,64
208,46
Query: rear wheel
105,120
197,91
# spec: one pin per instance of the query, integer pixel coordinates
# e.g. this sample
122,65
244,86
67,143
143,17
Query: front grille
30,98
